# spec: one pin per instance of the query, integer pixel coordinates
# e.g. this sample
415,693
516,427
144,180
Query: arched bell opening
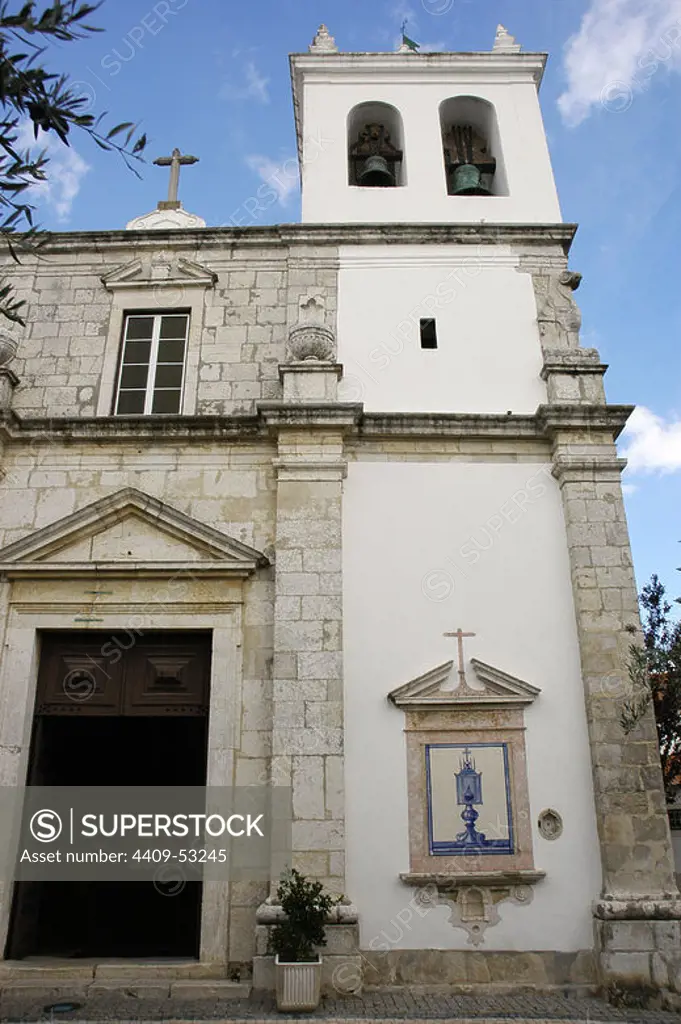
472,150
375,146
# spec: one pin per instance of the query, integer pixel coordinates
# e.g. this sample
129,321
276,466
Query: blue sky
212,78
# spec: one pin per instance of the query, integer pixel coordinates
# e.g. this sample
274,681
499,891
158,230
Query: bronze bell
376,173
468,181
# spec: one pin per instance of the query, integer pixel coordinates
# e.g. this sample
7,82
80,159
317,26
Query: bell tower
422,138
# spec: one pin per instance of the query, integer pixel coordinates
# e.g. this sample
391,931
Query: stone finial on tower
323,42
504,42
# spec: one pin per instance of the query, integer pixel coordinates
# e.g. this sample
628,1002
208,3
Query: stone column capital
574,468
634,907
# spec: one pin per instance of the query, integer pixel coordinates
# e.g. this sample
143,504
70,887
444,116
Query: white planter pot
298,985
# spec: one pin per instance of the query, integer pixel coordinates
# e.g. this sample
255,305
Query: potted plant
294,941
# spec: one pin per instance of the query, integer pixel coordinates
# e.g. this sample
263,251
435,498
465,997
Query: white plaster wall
489,356
429,548
417,94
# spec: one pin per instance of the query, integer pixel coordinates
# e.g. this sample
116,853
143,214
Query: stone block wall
242,326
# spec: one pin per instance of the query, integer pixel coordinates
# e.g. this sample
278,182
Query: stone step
20,970
209,989
77,990
171,971
108,970
48,992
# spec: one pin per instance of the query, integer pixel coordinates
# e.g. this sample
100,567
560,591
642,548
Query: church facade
353,484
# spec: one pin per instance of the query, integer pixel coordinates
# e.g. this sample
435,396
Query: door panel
77,678
119,674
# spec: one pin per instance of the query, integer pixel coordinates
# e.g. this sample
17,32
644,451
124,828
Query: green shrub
306,906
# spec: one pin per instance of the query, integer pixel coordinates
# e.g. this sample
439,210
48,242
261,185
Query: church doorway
126,709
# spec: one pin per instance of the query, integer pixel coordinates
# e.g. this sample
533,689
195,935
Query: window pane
171,351
130,402
140,327
168,376
428,333
137,352
173,326
134,376
166,401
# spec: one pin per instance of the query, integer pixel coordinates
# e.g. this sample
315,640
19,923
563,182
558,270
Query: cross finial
459,634
175,161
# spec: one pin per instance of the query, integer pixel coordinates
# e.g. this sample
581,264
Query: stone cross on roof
459,635
175,161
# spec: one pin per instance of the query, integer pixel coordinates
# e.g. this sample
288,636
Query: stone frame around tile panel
439,713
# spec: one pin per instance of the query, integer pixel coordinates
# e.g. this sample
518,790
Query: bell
468,181
376,173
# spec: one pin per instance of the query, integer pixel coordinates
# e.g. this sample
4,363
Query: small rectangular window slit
428,333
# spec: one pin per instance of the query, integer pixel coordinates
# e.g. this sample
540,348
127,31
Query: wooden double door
116,710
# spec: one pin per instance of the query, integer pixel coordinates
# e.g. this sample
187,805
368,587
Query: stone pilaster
637,926
307,716
307,708
637,919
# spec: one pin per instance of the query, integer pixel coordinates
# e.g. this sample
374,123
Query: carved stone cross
459,634
175,161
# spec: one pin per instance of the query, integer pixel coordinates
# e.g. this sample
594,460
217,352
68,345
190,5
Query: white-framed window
152,364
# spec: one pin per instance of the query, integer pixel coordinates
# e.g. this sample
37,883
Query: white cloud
65,171
282,176
253,88
651,444
629,488
618,48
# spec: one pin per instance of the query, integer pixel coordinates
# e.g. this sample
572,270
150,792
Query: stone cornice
287,236
449,883
393,424
572,367
346,417
342,416
612,419
172,429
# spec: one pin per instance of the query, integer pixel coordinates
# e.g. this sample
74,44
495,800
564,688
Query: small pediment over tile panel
440,688
161,271
129,528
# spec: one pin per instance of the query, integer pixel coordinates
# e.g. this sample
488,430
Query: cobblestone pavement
384,1006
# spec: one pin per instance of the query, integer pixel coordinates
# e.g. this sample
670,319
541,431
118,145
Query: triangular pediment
158,271
440,688
128,531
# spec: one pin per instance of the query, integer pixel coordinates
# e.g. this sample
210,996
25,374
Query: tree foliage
655,673
30,92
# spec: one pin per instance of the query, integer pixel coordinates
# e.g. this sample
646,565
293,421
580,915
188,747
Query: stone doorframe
198,581
25,622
